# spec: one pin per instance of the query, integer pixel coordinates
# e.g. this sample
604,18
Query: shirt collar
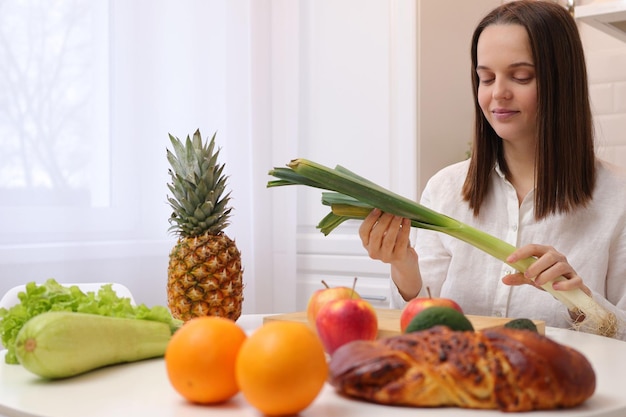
499,170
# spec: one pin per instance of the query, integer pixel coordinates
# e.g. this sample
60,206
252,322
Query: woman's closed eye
523,79
485,78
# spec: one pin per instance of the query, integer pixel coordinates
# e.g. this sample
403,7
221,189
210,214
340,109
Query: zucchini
60,344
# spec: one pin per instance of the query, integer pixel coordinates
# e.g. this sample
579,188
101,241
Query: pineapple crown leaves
197,185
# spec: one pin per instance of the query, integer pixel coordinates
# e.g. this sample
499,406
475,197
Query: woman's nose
501,91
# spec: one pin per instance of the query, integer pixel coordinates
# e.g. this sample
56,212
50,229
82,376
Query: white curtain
89,91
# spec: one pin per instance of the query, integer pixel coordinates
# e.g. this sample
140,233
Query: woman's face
507,89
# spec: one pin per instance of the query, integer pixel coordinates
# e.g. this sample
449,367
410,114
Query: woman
532,177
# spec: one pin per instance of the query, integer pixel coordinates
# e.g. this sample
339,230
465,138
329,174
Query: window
54,116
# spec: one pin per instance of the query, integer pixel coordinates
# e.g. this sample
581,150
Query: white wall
606,64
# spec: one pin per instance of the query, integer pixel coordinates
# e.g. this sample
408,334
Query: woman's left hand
550,265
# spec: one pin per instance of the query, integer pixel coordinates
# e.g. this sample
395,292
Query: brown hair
564,157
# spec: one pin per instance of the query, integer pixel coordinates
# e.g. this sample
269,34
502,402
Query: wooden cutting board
389,321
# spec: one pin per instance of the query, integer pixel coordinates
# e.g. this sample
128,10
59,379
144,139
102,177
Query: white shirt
592,238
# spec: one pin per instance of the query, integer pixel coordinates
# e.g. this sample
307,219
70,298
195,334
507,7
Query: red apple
341,321
325,295
416,305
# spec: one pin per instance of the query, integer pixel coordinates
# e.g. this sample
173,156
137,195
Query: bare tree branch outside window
47,102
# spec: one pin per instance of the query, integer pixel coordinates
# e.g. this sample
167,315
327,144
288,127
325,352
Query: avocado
439,316
521,323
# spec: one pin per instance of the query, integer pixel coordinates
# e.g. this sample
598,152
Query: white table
142,389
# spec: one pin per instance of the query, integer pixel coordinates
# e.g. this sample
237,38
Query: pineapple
204,276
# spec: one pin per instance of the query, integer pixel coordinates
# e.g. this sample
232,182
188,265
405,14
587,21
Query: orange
281,368
200,359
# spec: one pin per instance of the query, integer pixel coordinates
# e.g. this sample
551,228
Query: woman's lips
503,114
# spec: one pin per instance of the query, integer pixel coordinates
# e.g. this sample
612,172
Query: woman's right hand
386,238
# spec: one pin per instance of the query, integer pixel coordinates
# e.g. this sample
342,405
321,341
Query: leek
351,196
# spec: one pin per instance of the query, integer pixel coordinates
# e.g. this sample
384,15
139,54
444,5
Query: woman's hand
386,238
549,265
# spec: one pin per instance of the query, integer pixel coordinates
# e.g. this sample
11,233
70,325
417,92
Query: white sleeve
395,299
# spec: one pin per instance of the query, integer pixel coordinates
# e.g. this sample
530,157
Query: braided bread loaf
506,369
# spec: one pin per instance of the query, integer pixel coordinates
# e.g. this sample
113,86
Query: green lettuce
52,296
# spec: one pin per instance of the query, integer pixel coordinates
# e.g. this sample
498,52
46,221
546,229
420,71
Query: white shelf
607,16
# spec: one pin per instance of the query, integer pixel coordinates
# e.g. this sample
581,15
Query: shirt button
514,228
498,314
